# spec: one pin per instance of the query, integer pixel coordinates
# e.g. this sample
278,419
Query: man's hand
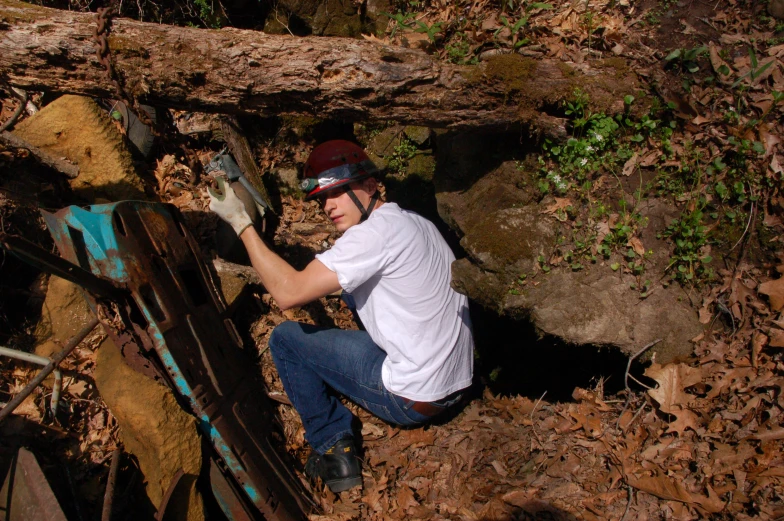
229,207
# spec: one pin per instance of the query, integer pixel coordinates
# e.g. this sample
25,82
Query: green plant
756,69
401,155
207,14
686,59
516,27
458,51
429,30
402,21
689,236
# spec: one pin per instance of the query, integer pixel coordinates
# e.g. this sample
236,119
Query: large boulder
509,233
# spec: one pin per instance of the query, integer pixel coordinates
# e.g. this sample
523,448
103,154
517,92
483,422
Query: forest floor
699,438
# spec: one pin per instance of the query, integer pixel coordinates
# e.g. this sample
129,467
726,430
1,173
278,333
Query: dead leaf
774,289
758,342
637,246
672,490
561,203
776,338
405,498
672,380
717,63
631,163
770,434
684,419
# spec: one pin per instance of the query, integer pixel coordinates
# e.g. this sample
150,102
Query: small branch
751,216
10,123
533,424
628,502
633,358
45,158
626,378
640,383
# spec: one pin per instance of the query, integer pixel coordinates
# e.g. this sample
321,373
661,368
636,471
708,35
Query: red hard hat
333,164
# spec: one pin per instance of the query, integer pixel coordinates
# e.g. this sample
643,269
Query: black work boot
338,467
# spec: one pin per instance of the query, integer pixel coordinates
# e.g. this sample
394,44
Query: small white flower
598,137
589,148
583,161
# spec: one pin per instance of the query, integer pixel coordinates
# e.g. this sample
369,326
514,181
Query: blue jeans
311,360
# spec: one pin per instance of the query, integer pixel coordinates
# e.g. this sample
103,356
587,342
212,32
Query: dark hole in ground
510,359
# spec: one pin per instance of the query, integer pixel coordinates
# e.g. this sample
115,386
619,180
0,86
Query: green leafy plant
430,30
401,155
402,21
515,28
756,71
686,59
458,51
689,236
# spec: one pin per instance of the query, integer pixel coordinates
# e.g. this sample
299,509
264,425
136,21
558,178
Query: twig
533,424
61,165
626,378
751,215
636,415
633,358
10,123
628,502
640,383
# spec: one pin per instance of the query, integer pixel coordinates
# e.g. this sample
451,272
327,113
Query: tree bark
240,71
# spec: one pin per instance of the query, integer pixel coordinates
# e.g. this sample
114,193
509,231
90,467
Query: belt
432,408
425,408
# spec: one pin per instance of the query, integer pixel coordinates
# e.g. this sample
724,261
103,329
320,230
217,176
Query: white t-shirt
397,267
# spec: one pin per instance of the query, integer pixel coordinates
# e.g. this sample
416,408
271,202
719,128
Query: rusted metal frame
108,497
167,496
50,367
145,249
26,494
51,263
40,360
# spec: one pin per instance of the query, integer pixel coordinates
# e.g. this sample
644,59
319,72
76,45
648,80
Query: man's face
341,209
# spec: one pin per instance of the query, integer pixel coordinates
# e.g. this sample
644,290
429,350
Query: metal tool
224,162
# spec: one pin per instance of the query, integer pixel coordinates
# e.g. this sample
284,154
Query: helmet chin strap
365,211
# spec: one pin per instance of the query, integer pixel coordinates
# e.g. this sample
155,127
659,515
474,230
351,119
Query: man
416,355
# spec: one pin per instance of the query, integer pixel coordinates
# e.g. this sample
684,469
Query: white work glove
229,207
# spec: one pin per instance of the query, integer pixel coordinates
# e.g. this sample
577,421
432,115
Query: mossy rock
419,135
421,165
384,143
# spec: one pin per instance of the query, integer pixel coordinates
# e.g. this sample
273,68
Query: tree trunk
240,71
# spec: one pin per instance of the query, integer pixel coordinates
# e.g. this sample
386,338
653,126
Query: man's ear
370,185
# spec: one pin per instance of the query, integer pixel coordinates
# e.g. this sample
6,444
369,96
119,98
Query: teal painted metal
179,326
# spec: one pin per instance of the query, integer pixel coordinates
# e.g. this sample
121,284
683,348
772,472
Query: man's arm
289,287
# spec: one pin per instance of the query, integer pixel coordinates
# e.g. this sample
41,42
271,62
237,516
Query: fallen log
241,71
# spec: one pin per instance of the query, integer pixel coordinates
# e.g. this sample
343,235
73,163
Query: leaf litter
703,440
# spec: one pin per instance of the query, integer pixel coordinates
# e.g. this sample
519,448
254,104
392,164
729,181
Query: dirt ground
610,439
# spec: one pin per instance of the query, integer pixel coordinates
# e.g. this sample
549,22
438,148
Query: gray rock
419,135
384,143
504,232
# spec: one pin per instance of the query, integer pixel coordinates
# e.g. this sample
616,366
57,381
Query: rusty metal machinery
157,299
